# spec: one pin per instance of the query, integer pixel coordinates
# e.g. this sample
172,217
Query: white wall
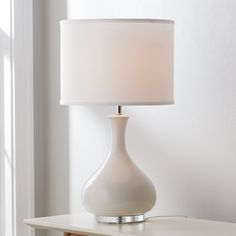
187,149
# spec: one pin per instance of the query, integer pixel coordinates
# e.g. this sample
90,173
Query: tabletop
85,224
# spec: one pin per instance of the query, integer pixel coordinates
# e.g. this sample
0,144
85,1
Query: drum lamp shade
117,62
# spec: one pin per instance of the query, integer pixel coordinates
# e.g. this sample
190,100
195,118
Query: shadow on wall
50,118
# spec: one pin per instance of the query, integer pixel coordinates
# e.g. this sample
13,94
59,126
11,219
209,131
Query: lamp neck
118,124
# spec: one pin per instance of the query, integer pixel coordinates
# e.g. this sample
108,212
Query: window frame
21,115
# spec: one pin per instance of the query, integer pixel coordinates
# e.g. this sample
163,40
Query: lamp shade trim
63,102
123,20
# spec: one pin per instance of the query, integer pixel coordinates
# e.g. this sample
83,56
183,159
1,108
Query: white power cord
170,216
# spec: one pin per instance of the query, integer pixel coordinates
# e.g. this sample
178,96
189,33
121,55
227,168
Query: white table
84,224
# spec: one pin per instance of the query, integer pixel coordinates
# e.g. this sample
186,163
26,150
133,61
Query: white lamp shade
117,62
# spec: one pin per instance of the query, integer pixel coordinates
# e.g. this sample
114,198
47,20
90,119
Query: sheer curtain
16,117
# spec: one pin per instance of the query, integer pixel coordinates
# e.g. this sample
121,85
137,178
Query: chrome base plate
120,219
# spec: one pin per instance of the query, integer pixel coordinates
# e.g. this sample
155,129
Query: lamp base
120,219
118,192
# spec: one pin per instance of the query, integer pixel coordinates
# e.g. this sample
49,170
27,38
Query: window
16,117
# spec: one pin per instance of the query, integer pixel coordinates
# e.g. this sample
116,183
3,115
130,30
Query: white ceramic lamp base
119,192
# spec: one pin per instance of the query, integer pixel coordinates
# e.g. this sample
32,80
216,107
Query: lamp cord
153,217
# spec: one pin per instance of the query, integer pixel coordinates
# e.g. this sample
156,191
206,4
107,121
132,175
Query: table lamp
117,62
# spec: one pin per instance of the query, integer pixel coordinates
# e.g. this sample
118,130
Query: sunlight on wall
5,15
8,145
6,129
